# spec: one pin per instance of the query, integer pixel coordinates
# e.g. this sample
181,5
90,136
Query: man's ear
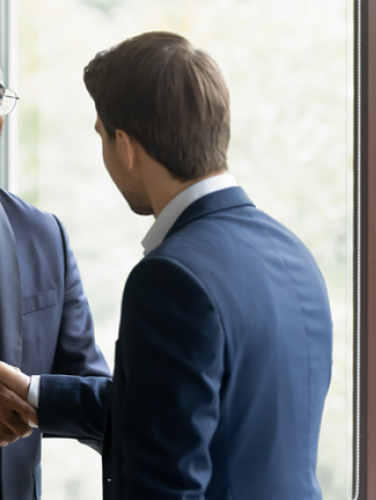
125,146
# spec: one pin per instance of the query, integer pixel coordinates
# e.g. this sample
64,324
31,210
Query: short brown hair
169,96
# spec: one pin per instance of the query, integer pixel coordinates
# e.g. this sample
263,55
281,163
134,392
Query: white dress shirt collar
177,205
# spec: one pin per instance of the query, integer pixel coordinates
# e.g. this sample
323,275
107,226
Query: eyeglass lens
8,99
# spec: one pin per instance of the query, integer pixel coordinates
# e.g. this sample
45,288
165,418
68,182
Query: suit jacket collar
211,203
10,295
177,205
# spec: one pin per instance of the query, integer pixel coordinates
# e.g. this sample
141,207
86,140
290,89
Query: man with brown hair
224,353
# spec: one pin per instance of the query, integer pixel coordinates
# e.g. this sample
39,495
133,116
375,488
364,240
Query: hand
15,412
15,380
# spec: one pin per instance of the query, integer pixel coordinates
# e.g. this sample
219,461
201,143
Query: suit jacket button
109,480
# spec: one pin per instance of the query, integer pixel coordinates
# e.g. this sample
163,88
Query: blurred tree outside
284,61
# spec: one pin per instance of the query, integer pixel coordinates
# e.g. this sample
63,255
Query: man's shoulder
227,232
232,244
22,214
13,203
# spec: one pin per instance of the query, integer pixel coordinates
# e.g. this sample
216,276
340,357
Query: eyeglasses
8,100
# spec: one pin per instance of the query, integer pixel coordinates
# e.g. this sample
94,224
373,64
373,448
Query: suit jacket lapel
10,295
213,202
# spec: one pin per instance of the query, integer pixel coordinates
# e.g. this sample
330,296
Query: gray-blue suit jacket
45,321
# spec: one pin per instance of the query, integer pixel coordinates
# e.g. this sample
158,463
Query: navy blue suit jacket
222,365
45,321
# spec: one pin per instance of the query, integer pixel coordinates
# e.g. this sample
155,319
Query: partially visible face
126,179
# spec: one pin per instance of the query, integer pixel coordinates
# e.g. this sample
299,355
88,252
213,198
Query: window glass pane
284,61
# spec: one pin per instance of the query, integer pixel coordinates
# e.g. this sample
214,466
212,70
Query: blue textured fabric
10,287
56,324
222,365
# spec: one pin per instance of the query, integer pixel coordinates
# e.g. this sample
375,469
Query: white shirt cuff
33,396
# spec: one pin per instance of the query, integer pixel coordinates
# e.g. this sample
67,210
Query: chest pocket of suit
41,300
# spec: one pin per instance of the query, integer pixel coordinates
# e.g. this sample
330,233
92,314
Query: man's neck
165,189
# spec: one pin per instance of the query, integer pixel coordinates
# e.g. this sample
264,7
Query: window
285,63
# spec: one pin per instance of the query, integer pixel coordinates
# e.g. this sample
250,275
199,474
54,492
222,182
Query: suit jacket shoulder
22,215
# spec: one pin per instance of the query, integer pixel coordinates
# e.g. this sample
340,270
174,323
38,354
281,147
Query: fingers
14,379
15,412
10,401
15,415
7,435
15,428
14,390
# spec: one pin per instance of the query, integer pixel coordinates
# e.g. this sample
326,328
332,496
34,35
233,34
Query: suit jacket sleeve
73,407
171,356
82,363
76,350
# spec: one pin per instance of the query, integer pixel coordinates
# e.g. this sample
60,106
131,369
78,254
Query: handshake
15,413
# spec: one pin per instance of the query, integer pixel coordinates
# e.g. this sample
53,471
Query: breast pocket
41,300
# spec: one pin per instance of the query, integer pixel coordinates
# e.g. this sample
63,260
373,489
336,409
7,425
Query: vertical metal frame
365,202
4,59
8,58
